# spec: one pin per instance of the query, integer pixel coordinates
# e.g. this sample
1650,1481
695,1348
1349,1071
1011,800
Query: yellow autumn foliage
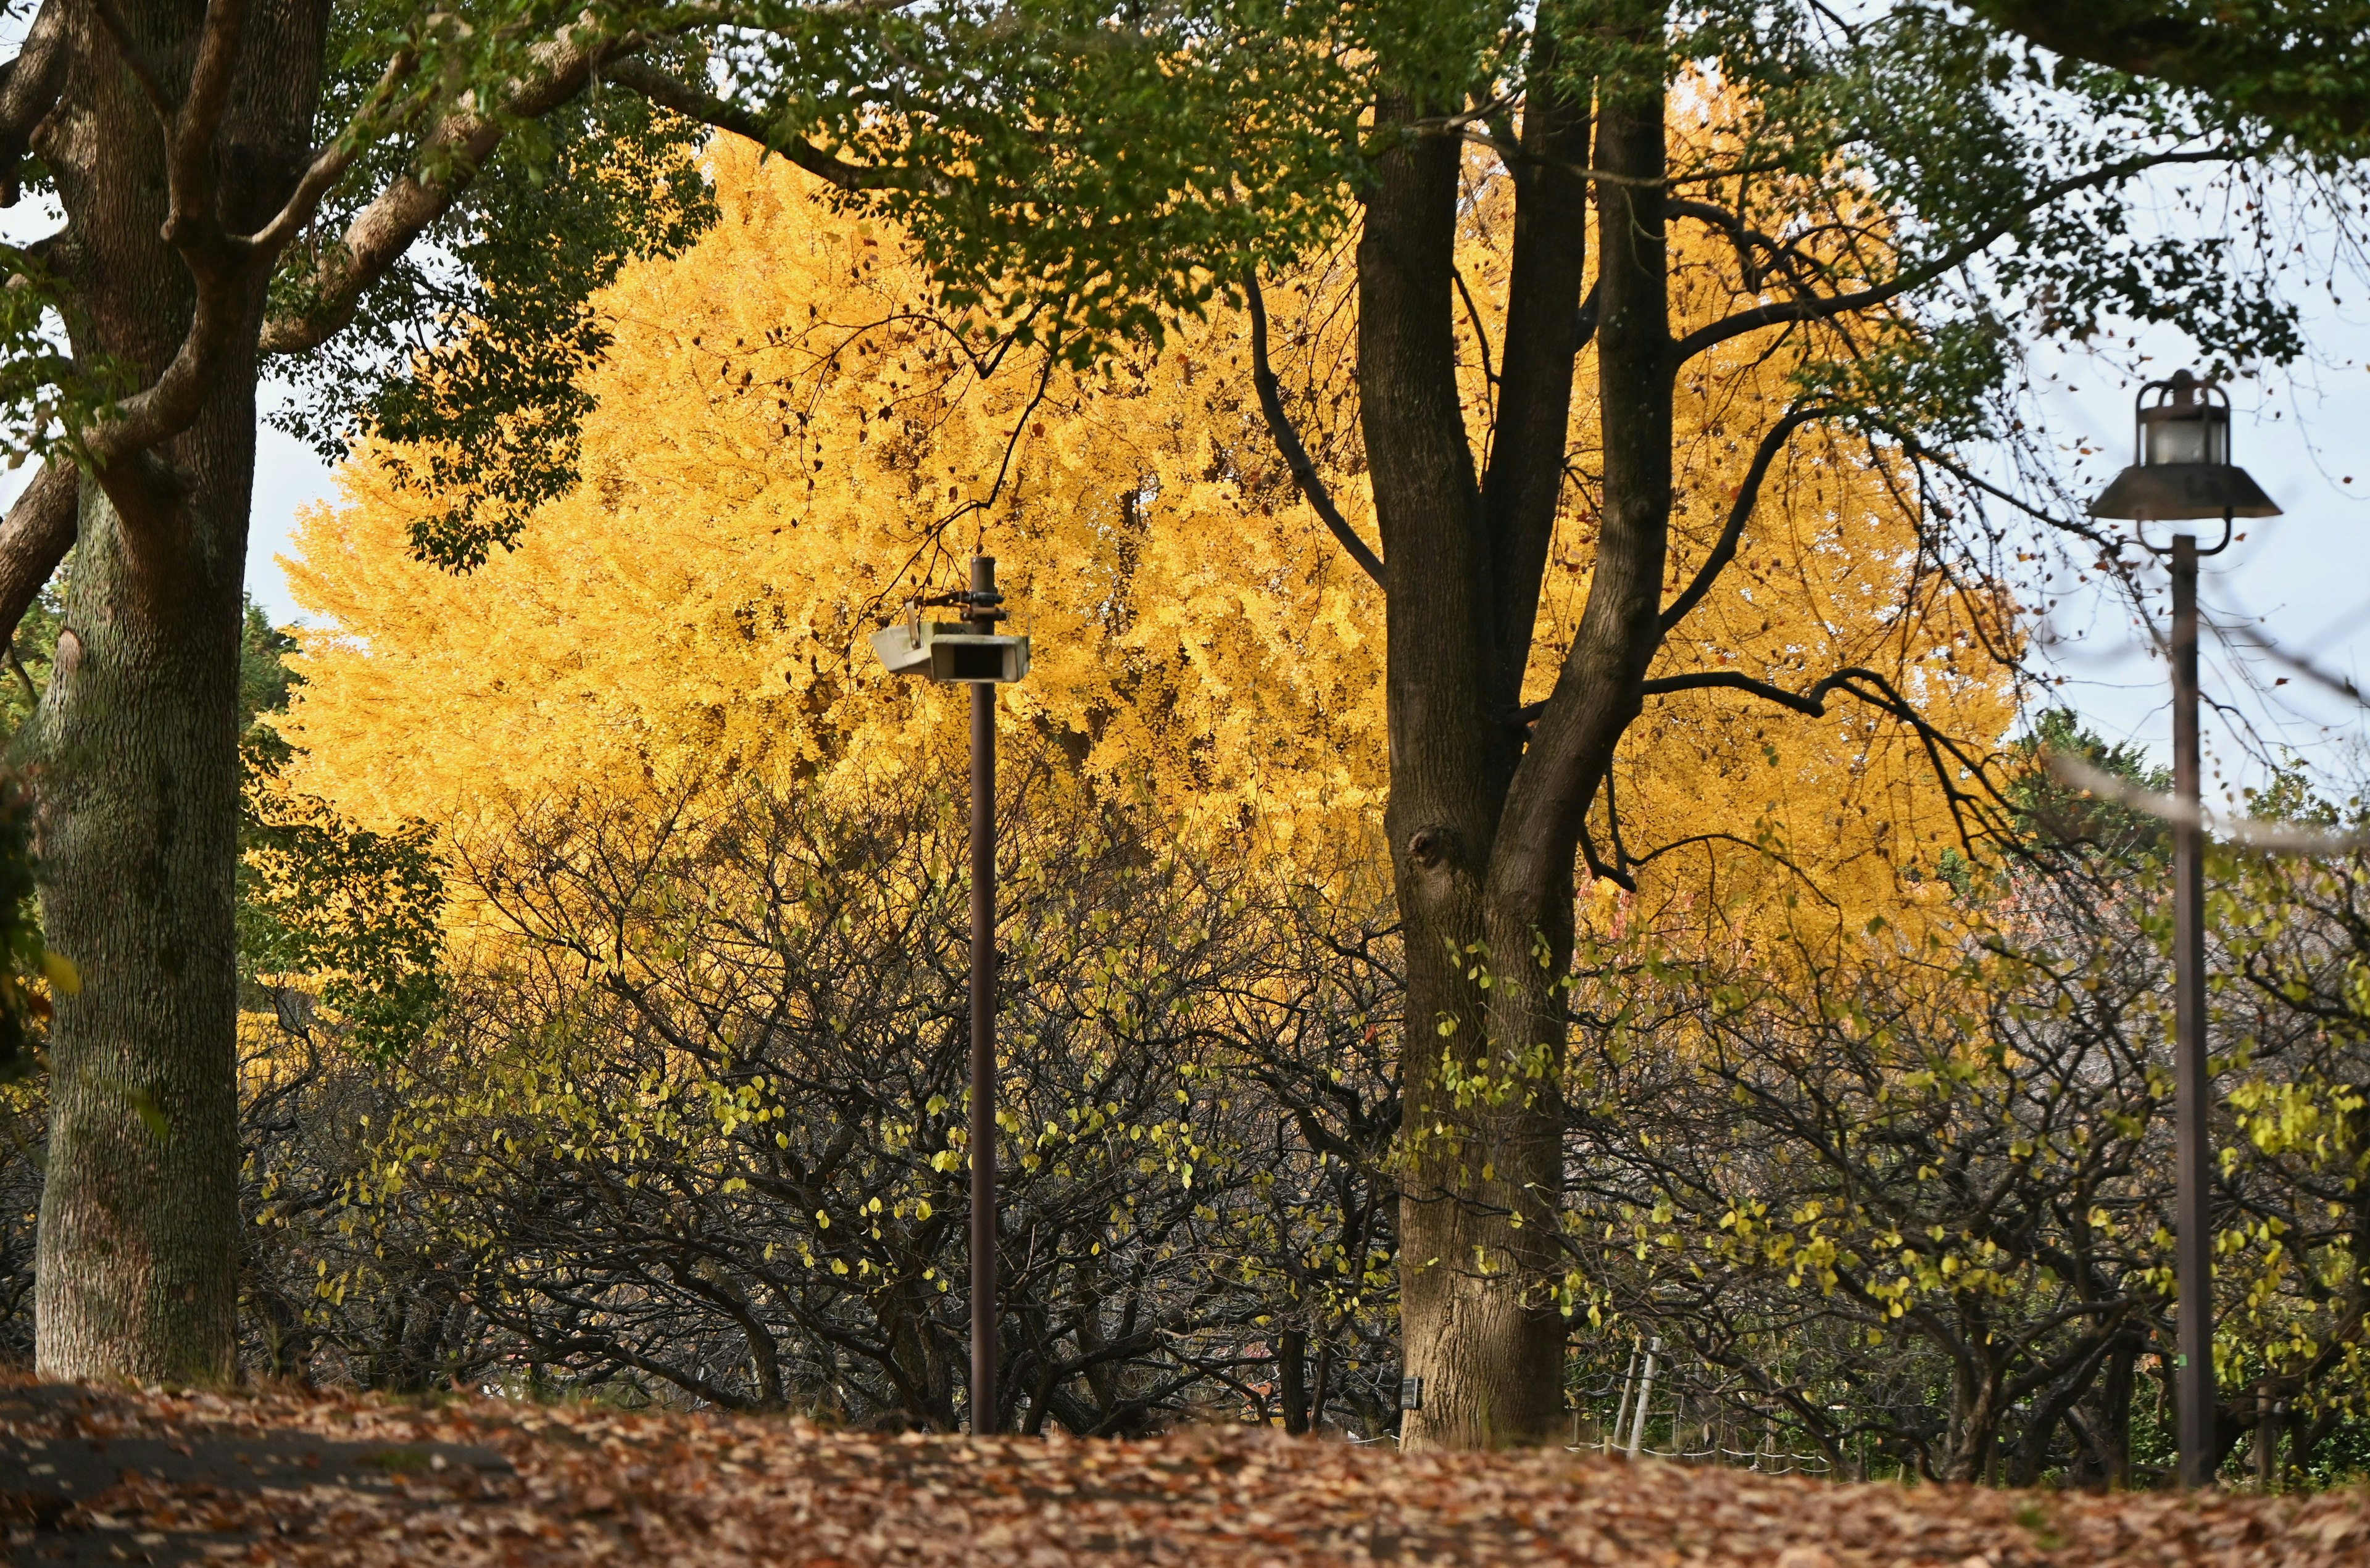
789,442
783,429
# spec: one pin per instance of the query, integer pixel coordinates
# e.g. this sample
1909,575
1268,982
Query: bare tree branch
1584,322
457,144
1287,441
1615,873
1811,703
330,164
1874,689
2279,838
1480,329
2327,679
1510,155
1782,312
1745,241
165,407
39,531
1724,550
697,103
29,91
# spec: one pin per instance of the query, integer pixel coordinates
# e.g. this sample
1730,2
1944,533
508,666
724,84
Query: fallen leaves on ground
350,1481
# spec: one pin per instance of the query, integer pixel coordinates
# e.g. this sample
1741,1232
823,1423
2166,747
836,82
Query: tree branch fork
1553,793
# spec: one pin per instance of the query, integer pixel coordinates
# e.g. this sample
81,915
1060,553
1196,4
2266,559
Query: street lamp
971,652
2184,471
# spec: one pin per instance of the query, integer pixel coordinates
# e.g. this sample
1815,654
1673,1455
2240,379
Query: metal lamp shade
2184,468
2168,492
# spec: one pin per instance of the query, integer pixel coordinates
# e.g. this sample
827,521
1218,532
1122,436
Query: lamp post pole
2194,1244
983,615
972,653
2181,470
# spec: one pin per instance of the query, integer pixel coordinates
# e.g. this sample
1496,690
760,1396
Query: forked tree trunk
1469,1334
1485,838
135,743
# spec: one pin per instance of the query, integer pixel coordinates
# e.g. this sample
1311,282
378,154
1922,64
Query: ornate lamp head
2183,467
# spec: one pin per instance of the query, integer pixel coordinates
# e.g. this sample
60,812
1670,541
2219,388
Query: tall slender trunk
1476,1196
2115,1392
1292,1380
136,744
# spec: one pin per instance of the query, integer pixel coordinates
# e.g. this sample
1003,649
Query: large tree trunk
1469,1334
139,789
1483,839
137,742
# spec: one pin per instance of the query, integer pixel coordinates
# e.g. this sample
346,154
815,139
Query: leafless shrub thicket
693,1123
687,1124
1911,1207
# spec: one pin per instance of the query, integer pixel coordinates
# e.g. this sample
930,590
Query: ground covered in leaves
95,1476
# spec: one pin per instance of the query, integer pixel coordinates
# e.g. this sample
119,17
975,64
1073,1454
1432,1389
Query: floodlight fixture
951,653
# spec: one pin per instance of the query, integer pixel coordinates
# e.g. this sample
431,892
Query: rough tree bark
180,137
35,537
135,744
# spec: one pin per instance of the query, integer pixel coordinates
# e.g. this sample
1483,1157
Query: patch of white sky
2298,583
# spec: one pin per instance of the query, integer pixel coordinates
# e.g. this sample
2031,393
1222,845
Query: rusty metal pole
2193,1250
984,1410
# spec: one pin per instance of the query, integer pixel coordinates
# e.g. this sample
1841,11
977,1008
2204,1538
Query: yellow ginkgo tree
791,443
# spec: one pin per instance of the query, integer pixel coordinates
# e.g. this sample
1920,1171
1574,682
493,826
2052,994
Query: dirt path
94,1476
